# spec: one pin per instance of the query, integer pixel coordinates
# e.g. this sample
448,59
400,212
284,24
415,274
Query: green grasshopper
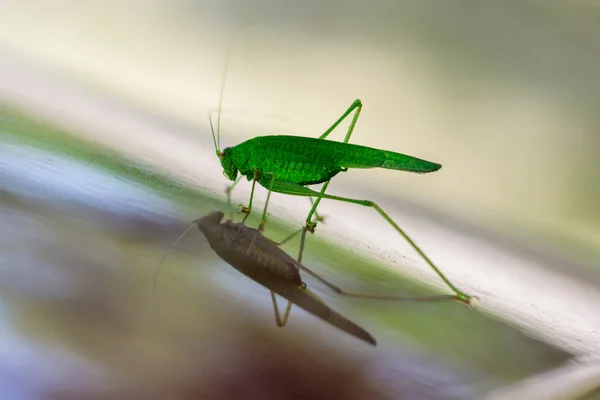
288,164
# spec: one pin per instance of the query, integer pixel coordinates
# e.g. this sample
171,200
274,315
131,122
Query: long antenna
191,224
213,130
223,79
217,139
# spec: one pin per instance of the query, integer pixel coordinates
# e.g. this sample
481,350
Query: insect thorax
287,162
228,163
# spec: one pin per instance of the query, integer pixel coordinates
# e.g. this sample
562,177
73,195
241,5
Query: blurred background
106,143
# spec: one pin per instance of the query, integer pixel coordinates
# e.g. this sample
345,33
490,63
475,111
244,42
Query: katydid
288,164
262,260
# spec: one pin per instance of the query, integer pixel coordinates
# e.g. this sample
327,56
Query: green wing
344,155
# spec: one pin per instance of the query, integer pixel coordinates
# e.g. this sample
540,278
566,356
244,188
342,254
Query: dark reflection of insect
262,260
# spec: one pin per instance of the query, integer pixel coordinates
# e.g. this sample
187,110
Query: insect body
287,164
309,161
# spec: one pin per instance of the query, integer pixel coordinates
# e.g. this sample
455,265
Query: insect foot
465,299
310,227
244,209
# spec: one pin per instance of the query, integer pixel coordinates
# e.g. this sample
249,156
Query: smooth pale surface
572,381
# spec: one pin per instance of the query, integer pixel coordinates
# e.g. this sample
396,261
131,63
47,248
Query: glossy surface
86,249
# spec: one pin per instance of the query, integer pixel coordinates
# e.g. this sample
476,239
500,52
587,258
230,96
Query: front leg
228,191
247,210
272,177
